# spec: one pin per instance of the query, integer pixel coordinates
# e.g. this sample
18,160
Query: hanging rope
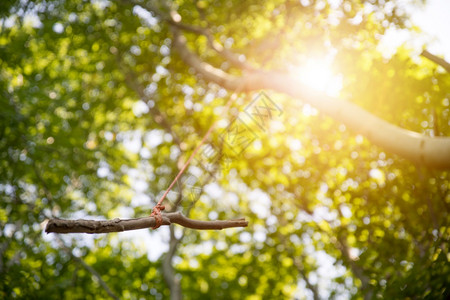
156,211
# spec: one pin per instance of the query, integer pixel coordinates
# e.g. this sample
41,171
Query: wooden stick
119,225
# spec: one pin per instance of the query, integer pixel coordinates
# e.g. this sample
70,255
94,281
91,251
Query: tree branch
357,270
96,275
312,287
119,225
174,19
89,269
437,60
431,152
158,116
168,270
234,59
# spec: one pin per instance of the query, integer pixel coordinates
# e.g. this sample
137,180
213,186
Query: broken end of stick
49,226
241,222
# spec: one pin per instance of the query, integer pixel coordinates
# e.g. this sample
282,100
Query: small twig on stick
119,225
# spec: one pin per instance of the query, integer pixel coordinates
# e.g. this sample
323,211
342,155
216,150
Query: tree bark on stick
119,225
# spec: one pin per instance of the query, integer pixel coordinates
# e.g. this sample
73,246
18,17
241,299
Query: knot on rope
156,212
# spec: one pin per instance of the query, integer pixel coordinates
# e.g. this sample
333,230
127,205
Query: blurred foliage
84,86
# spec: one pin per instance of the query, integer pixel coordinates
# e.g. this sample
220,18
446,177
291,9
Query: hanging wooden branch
119,225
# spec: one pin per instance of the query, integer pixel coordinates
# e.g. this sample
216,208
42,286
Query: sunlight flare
317,74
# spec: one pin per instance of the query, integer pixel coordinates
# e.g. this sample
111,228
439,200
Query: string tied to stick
156,212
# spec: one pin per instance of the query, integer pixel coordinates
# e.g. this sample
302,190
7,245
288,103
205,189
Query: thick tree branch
119,225
431,152
437,60
207,71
